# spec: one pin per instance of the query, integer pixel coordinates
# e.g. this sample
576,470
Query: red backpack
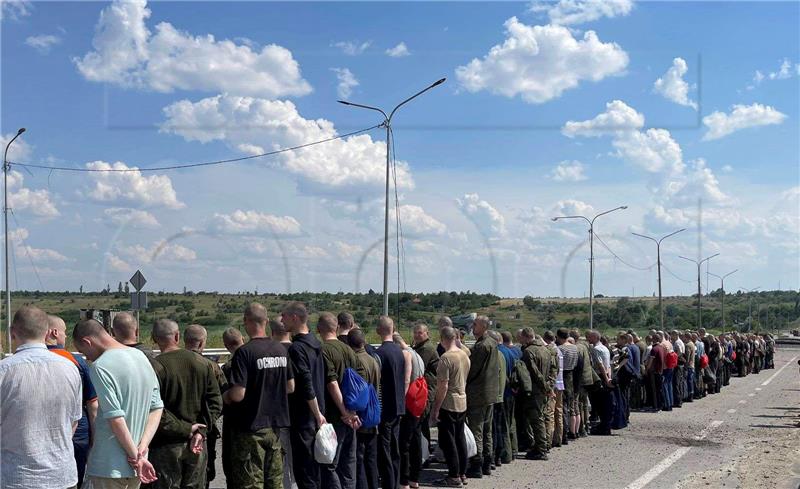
703,361
417,397
672,360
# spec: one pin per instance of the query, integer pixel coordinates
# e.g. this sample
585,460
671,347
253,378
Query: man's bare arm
120,429
150,429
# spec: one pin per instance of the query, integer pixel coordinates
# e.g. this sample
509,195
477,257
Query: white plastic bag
325,444
472,448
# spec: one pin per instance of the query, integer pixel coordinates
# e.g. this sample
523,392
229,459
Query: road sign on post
138,280
138,298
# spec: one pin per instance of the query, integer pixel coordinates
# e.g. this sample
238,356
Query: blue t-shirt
510,354
82,431
126,387
634,362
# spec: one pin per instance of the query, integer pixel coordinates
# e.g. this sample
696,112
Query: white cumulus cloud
134,218
720,124
416,221
673,87
483,214
127,186
43,42
346,82
618,117
571,12
352,48
399,51
342,169
15,9
37,255
568,171
22,199
539,63
254,222
127,53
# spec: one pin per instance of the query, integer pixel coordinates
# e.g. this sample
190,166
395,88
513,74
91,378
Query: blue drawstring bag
371,415
355,392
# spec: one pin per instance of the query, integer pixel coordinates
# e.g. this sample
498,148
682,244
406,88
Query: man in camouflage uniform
426,349
588,378
539,362
194,339
482,391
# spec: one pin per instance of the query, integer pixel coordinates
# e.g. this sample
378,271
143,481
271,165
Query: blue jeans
666,388
690,383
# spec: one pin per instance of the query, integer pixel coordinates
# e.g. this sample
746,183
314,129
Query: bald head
232,339
165,329
385,328
88,328
444,322
92,339
125,328
195,337
30,325
56,331
327,325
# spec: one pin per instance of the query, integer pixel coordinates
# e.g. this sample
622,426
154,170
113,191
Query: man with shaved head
194,339
482,393
338,358
129,408
40,406
430,357
393,406
307,403
55,340
192,404
126,331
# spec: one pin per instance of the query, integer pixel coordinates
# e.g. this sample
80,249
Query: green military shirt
588,375
539,360
502,378
482,388
190,391
371,375
338,357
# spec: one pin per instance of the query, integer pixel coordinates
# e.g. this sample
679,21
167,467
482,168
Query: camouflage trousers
256,460
177,467
535,433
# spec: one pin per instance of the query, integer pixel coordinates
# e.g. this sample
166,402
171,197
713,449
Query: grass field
770,310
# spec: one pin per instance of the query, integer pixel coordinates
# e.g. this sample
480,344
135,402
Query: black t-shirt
393,384
262,367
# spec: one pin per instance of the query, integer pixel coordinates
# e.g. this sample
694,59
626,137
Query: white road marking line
743,401
751,395
766,382
651,474
731,411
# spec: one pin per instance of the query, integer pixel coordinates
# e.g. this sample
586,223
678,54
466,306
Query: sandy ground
747,437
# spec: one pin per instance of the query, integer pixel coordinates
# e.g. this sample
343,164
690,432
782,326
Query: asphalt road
746,436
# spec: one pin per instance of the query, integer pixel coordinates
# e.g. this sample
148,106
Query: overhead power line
190,165
675,276
644,269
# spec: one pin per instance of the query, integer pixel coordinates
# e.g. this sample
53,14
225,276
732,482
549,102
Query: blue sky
548,108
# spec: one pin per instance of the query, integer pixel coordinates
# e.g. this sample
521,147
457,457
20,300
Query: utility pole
722,285
591,255
658,254
387,123
5,225
750,306
699,290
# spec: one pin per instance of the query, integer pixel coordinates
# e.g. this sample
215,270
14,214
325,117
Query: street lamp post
591,255
722,285
387,123
750,306
699,291
658,254
5,226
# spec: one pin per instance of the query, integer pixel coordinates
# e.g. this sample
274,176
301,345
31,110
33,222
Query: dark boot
474,470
